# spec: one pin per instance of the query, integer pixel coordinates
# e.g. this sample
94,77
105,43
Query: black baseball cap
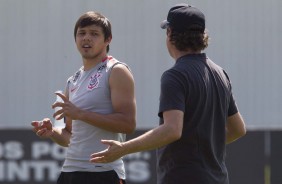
182,16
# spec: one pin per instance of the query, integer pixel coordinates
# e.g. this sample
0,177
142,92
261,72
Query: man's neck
177,54
89,63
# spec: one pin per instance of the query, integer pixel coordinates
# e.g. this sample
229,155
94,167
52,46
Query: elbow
173,131
131,127
177,133
130,130
176,137
235,127
174,134
242,132
235,135
173,137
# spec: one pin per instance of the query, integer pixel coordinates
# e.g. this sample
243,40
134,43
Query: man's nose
86,37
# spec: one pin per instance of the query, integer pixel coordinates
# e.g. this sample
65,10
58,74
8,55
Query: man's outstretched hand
112,153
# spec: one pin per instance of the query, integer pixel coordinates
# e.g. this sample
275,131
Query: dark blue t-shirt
202,90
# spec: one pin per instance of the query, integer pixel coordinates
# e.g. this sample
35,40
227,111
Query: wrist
53,132
125,148
80,115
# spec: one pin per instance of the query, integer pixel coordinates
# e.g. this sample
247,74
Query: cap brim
164,24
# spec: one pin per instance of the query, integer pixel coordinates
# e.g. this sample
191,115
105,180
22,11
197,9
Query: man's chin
88,57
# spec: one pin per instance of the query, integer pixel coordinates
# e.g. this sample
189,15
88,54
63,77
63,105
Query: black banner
25,158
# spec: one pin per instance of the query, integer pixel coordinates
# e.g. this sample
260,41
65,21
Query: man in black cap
198,113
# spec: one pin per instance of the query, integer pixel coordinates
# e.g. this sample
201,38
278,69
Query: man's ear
108,40
168,31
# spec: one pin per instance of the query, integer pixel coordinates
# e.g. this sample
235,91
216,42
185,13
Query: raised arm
123,118
45,129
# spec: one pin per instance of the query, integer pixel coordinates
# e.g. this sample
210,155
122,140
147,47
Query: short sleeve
233,109
172,96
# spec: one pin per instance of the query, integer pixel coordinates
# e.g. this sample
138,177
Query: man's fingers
34,123
102,156
41,132
108,142
46,120
98,157
59,117
97,160
98,154
57,104
59,114
64,98
40,125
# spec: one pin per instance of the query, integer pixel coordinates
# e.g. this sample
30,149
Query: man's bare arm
235,128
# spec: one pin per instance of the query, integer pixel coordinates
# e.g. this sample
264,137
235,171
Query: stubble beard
91,56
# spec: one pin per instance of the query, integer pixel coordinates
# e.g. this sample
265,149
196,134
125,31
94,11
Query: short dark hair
94,18
193,38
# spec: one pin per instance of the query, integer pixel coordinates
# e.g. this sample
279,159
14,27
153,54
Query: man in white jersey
99,103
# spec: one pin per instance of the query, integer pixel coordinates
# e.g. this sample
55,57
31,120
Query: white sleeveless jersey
90,91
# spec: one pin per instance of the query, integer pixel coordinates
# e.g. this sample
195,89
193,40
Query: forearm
61,137
164,134
152,139
235,128
231,137
115,122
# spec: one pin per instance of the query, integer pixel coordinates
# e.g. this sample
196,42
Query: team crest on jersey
94,81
